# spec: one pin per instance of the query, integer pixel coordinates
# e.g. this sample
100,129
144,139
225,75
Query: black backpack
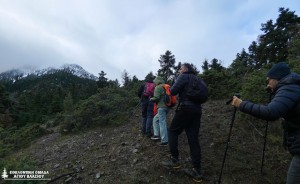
196,90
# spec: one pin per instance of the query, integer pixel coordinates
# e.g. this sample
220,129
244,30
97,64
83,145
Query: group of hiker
187,116
191,92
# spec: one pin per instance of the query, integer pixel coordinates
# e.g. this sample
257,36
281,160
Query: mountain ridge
17,74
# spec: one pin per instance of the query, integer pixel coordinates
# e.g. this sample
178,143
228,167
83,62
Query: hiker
187,117
159,121
145,93
285,104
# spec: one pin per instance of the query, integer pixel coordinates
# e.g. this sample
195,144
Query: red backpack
149,89
169,99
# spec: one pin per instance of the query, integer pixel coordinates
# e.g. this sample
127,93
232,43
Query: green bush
14,138
109,107
254,87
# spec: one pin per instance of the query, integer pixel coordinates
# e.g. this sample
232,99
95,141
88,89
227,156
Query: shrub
109,107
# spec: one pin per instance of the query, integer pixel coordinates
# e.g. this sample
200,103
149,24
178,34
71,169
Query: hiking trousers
147,114
160,124
190,123
293,175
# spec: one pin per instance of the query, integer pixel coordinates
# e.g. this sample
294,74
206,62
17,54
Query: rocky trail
122,155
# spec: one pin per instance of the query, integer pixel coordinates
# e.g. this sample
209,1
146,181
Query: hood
292,78
158,80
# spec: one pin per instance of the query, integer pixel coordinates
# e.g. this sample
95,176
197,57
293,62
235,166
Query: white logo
25,175
4,174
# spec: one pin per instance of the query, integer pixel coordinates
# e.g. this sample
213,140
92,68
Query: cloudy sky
118,35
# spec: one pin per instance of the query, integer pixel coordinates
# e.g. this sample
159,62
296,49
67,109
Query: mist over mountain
16,74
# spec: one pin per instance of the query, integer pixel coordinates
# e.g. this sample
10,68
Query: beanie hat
279,71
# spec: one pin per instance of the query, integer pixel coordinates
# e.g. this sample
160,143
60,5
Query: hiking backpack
169,99
197,90
148,89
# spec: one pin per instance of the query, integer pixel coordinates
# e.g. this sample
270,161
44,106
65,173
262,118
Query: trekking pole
265,141
228,138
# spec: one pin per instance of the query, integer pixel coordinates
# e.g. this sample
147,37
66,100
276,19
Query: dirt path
122,155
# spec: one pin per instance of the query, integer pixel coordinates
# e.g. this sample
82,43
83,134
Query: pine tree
126,78
149,77
205,65
241,65
273,44
135,79
113,83
215,65
102,80
167,64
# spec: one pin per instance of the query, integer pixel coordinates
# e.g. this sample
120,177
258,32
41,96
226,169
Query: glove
236,101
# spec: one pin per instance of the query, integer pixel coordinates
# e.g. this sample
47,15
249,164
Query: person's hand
236,101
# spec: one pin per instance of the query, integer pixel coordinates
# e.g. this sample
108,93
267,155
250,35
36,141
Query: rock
56,166
102,156
98,175
135,161
68,179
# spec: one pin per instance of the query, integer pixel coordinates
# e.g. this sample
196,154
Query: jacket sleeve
179,84
283,101
157,93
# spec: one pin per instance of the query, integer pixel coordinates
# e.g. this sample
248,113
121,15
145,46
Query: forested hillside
70,101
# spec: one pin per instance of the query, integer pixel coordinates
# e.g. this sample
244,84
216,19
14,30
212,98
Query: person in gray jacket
285,104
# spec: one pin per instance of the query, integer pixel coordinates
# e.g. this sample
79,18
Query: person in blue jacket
285,104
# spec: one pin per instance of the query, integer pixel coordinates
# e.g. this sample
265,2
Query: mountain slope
17,74
121,155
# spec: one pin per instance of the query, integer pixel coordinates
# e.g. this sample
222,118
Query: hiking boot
195,174
171,163
155,137
162,144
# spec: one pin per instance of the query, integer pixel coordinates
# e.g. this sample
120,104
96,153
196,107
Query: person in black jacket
147,109
187,117
285,104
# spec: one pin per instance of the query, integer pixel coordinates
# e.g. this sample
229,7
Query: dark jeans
147,114
293,175
190,122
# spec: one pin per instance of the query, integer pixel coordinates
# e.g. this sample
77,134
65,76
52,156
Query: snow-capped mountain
78,71
16,74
